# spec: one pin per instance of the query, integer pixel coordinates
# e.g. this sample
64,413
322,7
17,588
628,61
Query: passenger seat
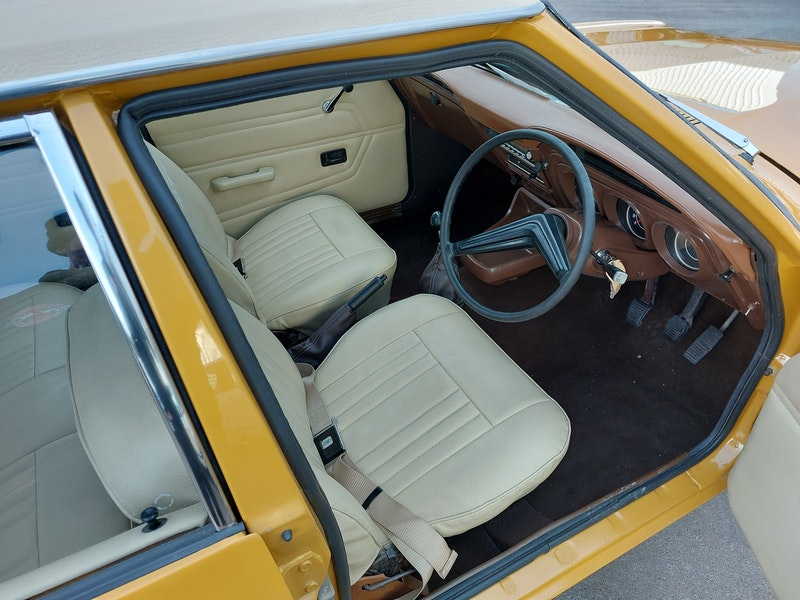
297,265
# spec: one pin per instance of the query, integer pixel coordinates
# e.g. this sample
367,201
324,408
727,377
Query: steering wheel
544,232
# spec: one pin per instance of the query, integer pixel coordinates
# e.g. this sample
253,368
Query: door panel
276,149
764,484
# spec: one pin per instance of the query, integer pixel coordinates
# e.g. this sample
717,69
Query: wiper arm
750,151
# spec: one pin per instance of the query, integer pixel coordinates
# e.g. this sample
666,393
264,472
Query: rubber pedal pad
704,344
637,311
676,328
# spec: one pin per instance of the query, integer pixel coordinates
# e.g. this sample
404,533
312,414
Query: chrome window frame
44,130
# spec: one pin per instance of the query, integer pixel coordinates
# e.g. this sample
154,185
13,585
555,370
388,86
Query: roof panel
53,42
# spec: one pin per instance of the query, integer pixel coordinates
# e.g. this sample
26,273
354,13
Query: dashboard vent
624,177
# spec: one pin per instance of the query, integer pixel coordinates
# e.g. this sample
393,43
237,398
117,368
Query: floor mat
634,401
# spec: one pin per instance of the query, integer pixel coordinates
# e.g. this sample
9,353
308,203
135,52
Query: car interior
491,429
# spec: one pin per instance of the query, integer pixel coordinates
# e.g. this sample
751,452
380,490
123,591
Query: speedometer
681,249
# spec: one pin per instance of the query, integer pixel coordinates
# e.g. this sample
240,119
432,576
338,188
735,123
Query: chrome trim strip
619,25
45,130
734,137
226,54
14,129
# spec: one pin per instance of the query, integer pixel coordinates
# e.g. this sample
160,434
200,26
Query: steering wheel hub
544,232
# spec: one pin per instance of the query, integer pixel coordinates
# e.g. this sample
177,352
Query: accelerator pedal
707,340
679,324
639,307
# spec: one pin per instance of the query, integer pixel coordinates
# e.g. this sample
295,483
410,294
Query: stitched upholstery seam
422,451
353,403
384,346
442,461
421,432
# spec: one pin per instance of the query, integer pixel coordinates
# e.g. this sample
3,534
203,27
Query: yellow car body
252,557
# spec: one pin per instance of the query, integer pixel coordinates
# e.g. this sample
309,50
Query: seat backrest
51,502
129,445
362,536
119,424
207,228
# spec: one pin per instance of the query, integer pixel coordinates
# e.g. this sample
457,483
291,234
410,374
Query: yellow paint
225,570
264,490
262,487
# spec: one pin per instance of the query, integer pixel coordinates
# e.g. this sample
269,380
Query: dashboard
644,218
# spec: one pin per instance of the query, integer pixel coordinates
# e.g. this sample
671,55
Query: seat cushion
51,501
303,261
306,259
436,413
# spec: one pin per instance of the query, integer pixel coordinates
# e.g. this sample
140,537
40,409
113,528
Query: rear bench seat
51,501
57,519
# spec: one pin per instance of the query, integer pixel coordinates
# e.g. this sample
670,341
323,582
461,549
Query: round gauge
681,249
631,220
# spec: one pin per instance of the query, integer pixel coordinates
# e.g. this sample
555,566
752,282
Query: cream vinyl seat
83,449
122,432
430,409
301,262
52,503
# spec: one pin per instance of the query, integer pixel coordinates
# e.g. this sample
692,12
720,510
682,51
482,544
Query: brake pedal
707,340
639,307
679,324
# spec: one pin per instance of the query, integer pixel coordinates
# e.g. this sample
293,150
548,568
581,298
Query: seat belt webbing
235,255
423,547
421,544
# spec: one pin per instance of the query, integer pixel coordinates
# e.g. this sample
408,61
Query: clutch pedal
639,307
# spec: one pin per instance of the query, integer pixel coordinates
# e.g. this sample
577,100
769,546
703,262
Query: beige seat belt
235,254
423,547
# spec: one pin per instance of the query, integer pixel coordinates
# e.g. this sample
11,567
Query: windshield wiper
750,151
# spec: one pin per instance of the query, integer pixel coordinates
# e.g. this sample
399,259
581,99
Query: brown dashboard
644,218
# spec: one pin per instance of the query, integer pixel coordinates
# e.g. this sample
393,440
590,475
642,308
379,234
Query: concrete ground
703,556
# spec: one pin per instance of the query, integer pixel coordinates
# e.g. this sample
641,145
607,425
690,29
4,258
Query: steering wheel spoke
545,233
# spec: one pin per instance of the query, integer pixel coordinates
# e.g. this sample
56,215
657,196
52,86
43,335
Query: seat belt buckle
329,444
239,264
